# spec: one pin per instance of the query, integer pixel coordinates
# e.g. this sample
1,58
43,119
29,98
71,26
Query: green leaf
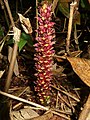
21,44
64,8
85,4
82,4
27,38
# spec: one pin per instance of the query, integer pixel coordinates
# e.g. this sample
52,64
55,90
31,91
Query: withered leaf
16,69
46,116
26,25
17,34
23,114
81,67
76,18
56,70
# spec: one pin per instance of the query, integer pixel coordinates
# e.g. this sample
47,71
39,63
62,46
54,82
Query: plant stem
36,17
9,12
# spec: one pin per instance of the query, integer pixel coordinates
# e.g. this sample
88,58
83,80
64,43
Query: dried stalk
37,17
14,53
23,100
11,67
61,115
9,12
64,101
5,13
72,7
66,93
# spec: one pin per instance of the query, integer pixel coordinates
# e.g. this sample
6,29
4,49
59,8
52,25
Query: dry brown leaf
23,114
88,117
26,25
16,69
81,67
17,34
46,116
58,70
60,58
56,117
89,1
76,18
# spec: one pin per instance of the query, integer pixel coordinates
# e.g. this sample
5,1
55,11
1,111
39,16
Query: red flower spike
44,52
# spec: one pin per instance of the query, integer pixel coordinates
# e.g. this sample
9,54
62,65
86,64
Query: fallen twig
68,94
23,100
61,115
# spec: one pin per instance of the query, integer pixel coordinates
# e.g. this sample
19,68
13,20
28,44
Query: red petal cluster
44,52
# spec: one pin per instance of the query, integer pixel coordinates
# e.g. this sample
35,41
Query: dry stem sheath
72,6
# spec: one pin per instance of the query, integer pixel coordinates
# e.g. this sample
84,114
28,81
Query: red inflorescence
44,52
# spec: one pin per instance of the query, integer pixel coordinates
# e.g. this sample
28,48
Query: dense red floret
44,52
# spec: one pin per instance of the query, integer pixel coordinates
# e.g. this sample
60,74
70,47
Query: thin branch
27,10
37,17
68,94
61,115
23,100
9,12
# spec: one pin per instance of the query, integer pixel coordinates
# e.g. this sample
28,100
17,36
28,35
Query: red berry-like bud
44,52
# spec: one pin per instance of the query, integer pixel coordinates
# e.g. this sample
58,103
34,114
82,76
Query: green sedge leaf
27,38
64,8
21,44
85,4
